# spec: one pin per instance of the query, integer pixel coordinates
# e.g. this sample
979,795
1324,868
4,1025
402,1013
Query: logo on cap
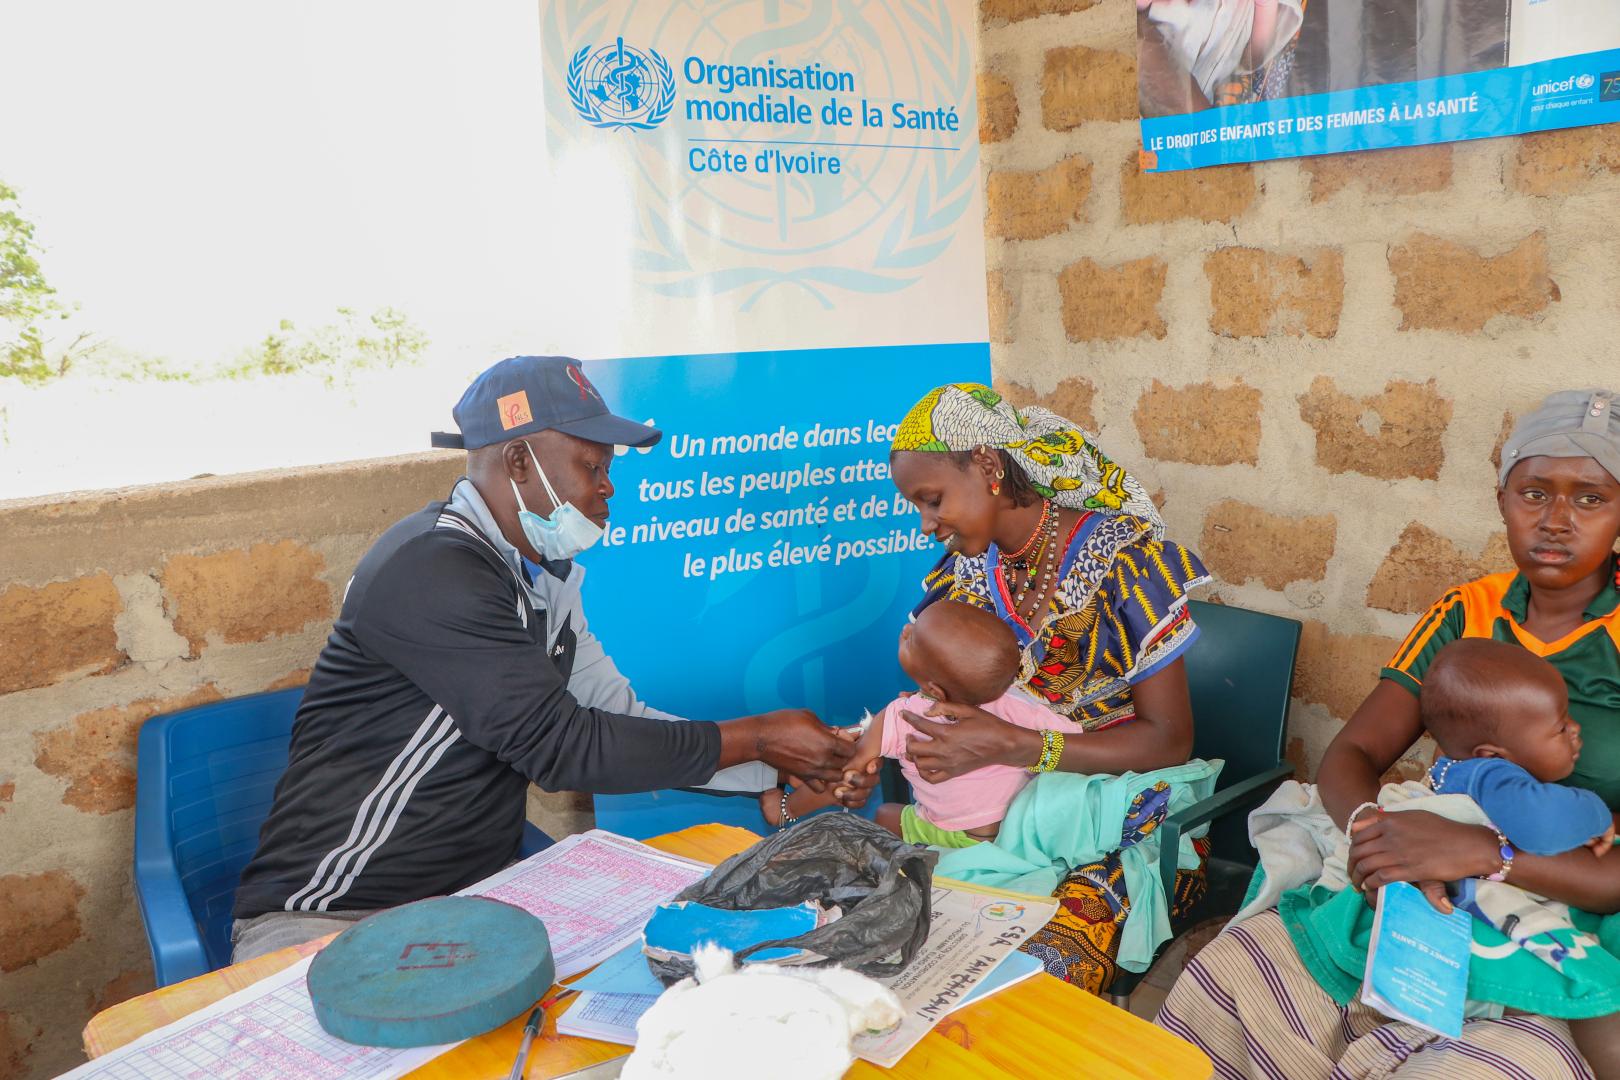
514,410
586,390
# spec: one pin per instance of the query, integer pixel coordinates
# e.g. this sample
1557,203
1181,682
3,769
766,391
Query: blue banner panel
759,556
1571,91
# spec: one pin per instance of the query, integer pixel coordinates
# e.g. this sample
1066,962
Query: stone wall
117,606
1311,363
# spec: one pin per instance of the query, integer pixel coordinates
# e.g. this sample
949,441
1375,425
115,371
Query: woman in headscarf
1253,999
1042,529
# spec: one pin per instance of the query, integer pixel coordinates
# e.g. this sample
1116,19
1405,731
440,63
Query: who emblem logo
617,86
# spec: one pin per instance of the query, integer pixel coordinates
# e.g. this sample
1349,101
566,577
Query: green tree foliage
334,350
27,300
384,339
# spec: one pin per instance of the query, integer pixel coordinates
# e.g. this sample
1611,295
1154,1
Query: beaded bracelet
787,818
1505,852
1051,752
1350,822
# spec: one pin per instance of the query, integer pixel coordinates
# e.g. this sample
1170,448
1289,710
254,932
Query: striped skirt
1249,1003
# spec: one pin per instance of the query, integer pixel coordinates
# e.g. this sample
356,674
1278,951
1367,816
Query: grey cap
1570,423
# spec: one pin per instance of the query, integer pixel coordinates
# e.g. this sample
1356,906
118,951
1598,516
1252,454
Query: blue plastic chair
204,781
1240,676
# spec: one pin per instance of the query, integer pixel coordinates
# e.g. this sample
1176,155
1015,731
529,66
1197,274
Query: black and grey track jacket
451,680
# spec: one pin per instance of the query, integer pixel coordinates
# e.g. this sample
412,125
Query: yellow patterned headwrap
1061,460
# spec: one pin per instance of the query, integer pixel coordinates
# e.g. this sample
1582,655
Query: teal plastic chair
1240,673
204,779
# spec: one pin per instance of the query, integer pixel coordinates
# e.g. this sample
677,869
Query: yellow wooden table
1042,1027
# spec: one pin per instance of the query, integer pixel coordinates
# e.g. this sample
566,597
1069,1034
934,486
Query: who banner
770,214
1251,80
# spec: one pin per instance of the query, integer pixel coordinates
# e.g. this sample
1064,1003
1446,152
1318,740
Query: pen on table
530,1030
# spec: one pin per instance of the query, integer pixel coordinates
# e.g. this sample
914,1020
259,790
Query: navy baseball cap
523,395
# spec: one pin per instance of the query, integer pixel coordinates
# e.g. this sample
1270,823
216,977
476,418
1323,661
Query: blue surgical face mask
563,535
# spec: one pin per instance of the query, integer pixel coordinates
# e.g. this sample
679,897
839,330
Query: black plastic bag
881,884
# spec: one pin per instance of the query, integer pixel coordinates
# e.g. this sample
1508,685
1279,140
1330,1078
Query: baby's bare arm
802,800
869,747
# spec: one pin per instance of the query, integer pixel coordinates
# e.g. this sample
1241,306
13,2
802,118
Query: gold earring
995,488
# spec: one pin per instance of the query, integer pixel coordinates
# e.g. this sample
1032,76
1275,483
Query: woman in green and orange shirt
1248,999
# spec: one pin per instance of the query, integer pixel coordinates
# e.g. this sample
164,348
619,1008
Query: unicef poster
779,204
1250,80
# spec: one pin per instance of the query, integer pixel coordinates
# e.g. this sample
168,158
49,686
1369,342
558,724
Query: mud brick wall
118,606
1311,363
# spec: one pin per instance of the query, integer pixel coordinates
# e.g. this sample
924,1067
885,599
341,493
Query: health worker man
455,676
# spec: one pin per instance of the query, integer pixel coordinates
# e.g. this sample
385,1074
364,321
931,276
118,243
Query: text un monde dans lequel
798,483
744,98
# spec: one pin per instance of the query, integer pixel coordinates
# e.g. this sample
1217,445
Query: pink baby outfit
978,798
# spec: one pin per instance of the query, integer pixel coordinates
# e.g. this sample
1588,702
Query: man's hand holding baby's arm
861,774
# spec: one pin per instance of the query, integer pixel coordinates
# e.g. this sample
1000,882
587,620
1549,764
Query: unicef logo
1585,82
620,87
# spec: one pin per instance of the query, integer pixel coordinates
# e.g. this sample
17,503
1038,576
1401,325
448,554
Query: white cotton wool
785,1023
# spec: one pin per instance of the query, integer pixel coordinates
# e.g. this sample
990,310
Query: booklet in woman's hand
1417,961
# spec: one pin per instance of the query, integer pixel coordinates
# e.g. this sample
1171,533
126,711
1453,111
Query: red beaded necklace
1017,557
1049,549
